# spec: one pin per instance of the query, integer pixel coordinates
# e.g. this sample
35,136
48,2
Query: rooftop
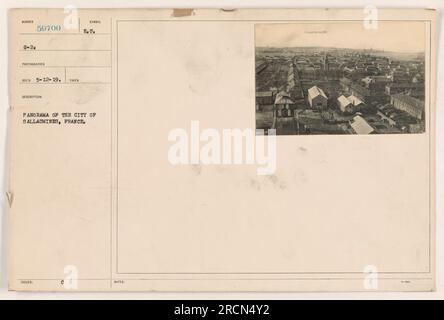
360,126
283,98
315,91
409,100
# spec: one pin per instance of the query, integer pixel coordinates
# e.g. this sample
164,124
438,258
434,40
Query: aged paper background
103,197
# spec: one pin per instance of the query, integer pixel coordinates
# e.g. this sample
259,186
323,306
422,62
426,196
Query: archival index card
211,150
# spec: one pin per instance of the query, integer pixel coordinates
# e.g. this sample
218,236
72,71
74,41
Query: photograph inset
340,78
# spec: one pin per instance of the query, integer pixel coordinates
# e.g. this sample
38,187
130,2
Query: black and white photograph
340,78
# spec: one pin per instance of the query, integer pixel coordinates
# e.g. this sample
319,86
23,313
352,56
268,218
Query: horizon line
371,49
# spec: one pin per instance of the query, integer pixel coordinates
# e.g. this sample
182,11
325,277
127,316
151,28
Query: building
370,89
308,73
355,101
345,84
361,92
261,66
415,89
398,118
264,98
417,128
386,119
283,105
349,104
317,98
344,105
411,105
291,83
360,126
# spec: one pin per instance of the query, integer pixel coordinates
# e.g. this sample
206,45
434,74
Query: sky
399,36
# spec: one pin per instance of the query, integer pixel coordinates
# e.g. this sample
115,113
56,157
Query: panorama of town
301,91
